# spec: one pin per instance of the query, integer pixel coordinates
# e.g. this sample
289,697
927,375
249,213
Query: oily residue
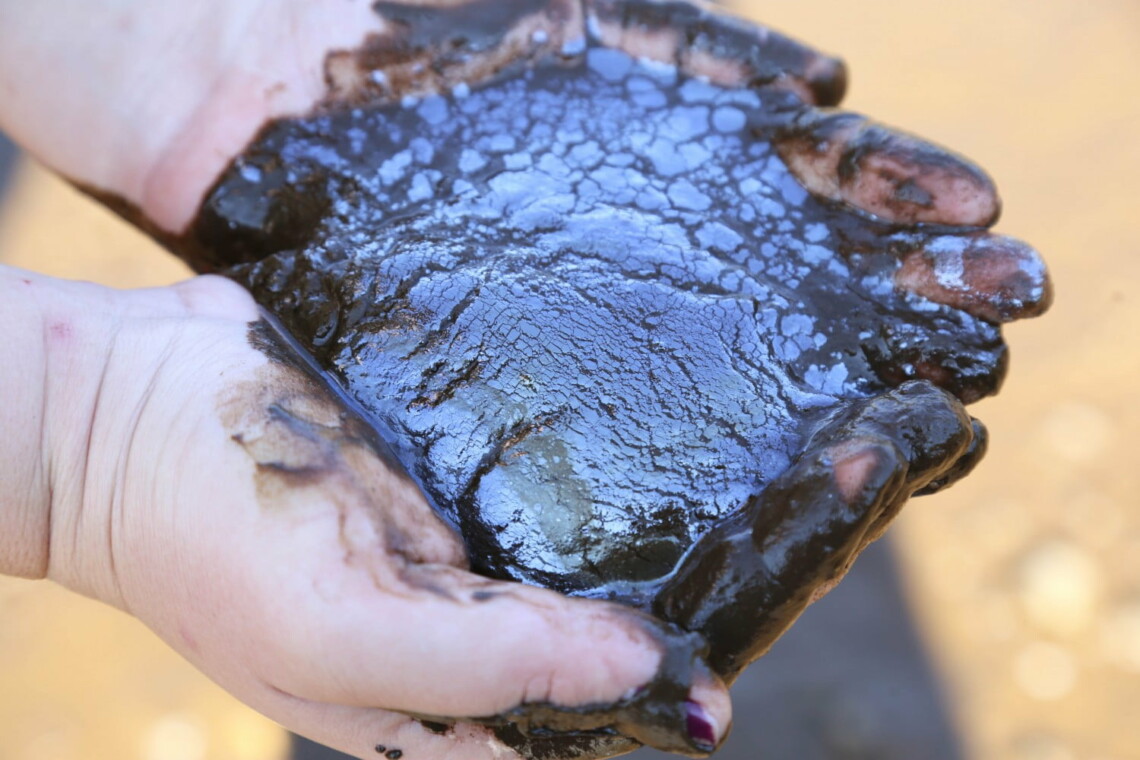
612,258
593,309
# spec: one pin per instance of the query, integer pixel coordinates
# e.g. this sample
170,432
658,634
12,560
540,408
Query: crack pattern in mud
596,288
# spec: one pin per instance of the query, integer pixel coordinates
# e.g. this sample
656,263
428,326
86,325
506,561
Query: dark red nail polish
702,729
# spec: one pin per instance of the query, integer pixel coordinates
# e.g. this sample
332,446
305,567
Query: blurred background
1000,621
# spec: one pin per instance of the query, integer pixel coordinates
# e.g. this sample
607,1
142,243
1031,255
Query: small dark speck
435,728
381,749
394,754
483,596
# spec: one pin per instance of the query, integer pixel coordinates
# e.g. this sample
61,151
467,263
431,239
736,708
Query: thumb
453,645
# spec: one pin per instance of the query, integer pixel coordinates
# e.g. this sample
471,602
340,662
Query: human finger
991,277
705,41
895,176
452,646
748,580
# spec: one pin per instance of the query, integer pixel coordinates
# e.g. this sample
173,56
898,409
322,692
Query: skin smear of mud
270,338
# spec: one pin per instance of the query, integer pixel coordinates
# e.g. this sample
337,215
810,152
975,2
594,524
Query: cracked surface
635,333
311,446
639,336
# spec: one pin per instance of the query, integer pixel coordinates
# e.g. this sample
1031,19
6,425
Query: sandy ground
1023,582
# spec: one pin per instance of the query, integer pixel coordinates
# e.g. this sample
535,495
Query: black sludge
589,307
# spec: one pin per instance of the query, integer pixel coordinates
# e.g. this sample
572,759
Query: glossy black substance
614,340
590,307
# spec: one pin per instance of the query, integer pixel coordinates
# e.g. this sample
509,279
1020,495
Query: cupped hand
224,497
313,466
206,483
683,344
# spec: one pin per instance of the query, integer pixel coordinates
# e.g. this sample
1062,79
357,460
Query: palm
258,530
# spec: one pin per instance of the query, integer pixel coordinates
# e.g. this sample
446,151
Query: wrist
86,386
25,513
58,340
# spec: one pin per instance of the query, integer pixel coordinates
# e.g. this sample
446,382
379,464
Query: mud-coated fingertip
965,464
708,715
992,277
701,726
885,172
827,79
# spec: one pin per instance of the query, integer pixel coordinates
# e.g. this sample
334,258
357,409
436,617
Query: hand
151,101
857,463
181,508
790,339
204,482
943,288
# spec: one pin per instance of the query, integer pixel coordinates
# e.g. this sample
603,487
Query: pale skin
128,484
337,606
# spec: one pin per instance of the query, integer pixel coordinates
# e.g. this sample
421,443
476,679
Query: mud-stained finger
938,440
893,175
434,48
949,348
992,277
604,730
930,428
745,583
704,41
507,655
965,464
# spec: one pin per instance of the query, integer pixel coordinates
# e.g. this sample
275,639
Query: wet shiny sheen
590,307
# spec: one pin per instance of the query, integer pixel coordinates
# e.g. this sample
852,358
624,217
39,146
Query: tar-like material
622,329
590,307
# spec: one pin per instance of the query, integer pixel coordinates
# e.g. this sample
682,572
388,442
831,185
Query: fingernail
701,726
